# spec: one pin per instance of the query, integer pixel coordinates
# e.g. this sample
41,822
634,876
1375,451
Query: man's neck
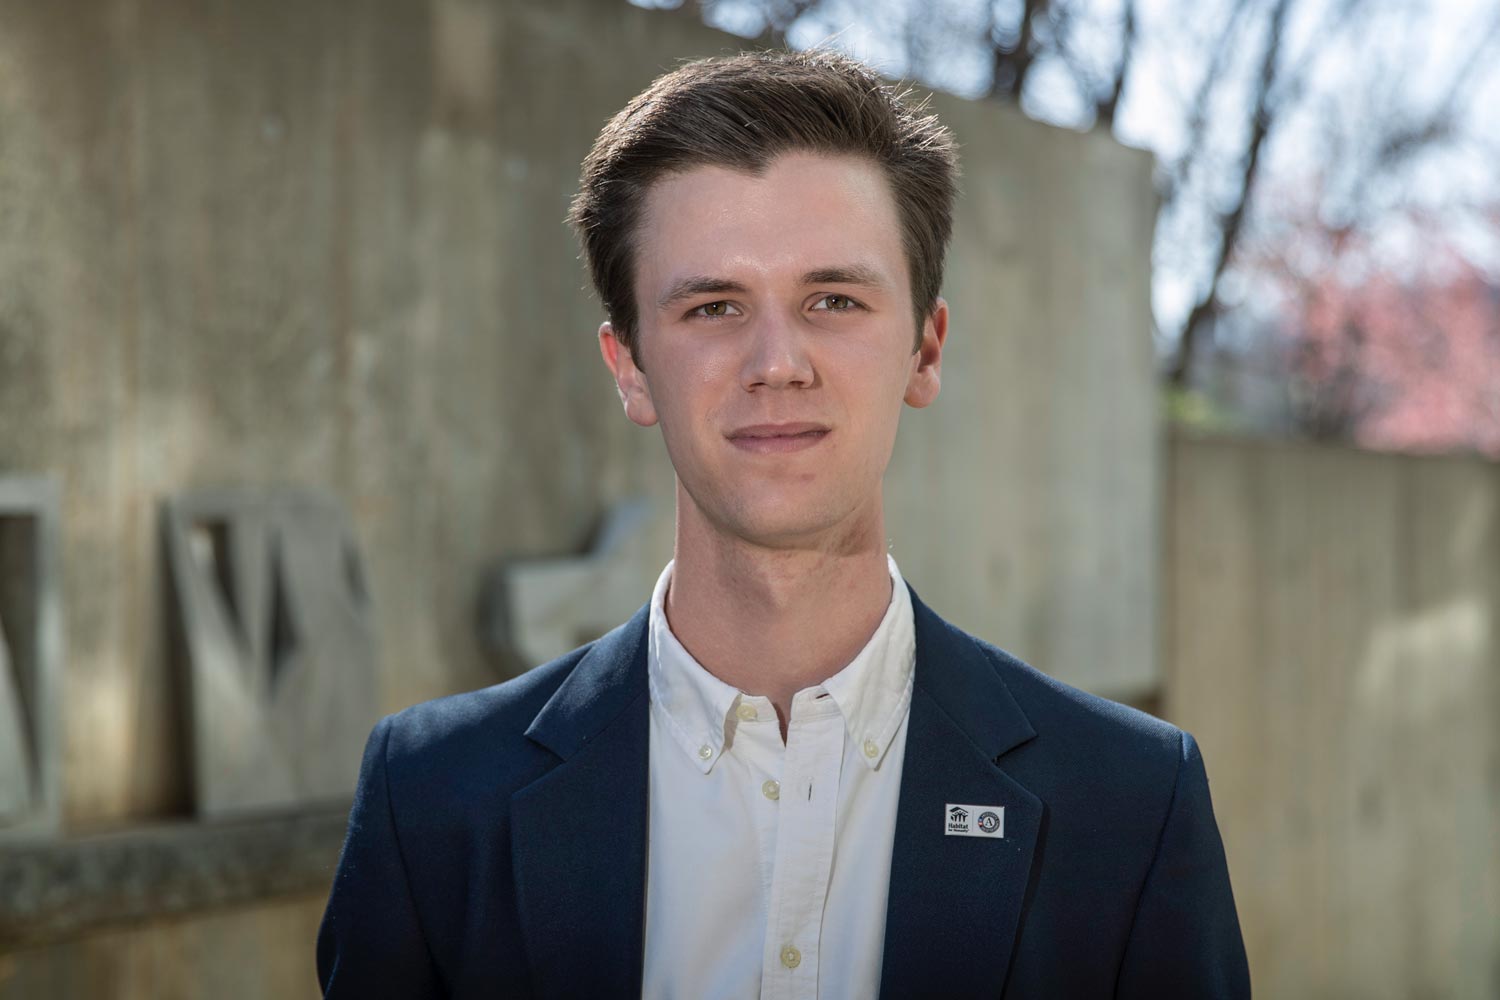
772,622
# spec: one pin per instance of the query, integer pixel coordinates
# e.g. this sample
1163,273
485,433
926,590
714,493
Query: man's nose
778,355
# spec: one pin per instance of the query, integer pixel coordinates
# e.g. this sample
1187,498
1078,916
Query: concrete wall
1331,639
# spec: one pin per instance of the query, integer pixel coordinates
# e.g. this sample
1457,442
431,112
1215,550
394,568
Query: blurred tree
1401,358
1388,105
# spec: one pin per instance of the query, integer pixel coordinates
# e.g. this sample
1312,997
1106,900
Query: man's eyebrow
698,284
845,274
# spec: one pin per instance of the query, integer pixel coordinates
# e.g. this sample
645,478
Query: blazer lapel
578,833
955,902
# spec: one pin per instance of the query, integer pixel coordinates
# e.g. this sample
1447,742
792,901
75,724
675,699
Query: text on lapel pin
963,820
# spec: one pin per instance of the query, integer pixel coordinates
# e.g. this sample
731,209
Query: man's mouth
777,438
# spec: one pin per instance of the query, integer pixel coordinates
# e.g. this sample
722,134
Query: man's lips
775,438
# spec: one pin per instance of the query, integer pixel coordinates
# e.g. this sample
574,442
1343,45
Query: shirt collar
872,692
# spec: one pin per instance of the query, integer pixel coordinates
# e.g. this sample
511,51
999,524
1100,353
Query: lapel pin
960,820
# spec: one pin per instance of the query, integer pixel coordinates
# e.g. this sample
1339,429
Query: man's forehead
805,213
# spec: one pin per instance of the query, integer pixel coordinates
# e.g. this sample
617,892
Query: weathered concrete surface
274,634
251,952
31,657
1331,640
58,889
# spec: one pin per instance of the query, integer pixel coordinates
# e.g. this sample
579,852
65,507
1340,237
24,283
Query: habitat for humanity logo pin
974,821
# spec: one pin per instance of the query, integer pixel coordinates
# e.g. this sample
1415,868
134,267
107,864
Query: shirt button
871,750
771,790
791,957
746,712
705,752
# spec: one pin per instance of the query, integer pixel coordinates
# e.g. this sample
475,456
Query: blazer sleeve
371,941
1185,940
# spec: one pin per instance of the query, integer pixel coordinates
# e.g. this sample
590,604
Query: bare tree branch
1008,68
1233,221
1110,105
1423,130
1197,128
1059,23
1406,135
1293,80
782,14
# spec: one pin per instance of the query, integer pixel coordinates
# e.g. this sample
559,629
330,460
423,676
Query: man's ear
923,383
635,394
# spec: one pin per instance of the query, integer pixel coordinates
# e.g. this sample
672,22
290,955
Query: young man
785,776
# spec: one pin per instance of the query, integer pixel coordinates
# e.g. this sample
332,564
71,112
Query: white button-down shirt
769,864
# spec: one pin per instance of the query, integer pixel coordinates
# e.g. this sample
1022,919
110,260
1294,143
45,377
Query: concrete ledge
56,889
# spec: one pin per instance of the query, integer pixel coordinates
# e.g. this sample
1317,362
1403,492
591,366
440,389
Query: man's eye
835,303
713,309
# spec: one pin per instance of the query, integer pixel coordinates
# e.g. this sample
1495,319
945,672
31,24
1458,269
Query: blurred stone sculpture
30,655
537,609
15,754
274,632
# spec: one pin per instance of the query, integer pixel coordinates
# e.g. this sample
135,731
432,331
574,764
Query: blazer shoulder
477,733
1064,715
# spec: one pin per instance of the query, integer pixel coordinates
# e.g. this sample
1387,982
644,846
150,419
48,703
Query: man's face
776,337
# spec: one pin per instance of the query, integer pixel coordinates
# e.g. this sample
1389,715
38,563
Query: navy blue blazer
497,844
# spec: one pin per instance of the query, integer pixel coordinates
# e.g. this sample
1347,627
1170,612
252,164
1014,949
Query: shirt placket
757,743
808,808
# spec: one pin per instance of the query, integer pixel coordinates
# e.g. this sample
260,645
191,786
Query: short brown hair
741,112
